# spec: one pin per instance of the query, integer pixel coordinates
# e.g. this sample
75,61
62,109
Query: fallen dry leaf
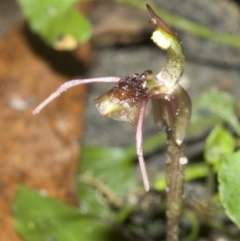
38,151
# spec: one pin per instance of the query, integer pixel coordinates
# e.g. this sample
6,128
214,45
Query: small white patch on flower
160,40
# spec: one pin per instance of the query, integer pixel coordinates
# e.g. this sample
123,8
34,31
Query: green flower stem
195,225
174,112
174,188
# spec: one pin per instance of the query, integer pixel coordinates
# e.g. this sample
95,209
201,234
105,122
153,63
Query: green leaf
111,167
229,188
218,143
219,104
54,20
38,217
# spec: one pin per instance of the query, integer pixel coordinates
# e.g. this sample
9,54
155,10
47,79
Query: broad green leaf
56,20
218,143
229,188
111,167
38,217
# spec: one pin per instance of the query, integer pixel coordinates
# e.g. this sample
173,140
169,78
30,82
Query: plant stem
174,190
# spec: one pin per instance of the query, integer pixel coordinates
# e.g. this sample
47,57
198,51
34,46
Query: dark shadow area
64,62
237,1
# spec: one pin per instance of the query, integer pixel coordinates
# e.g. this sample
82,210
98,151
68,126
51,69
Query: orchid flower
128,99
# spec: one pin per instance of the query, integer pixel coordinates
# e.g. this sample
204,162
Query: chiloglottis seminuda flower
128,99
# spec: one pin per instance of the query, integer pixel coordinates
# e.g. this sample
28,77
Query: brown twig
103,189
